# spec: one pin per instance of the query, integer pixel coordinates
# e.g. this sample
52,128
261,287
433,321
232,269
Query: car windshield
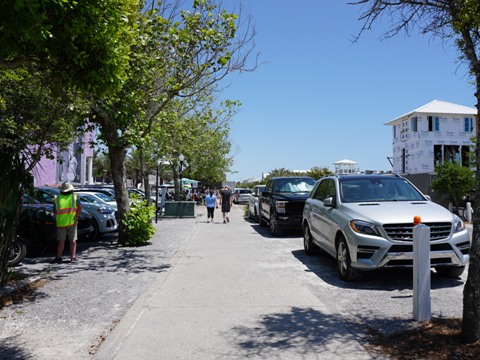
301,185
105,197
87,198
27,199
378,189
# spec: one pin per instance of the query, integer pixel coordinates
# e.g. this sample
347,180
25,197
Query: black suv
282,202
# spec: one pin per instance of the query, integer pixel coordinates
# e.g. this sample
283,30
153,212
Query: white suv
366,222
241,195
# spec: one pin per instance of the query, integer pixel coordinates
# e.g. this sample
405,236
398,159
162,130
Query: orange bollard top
417,220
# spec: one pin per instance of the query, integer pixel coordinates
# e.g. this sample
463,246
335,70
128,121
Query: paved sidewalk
228,296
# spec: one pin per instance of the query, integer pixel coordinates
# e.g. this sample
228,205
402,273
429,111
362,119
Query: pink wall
73,169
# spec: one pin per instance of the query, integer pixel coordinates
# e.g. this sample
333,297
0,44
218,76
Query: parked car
37,225
281,204
241,195
97,198
366,223
104,216
253,202
108,191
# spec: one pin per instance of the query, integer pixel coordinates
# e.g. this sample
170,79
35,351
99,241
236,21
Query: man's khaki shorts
69,231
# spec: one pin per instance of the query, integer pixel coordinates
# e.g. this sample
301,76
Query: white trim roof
345,162
438,107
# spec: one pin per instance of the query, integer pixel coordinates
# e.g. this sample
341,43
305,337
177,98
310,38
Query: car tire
308,245
17,253
450,271
344,263
261,221
274,228
95,235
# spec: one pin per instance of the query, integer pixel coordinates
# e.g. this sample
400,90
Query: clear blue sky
321,98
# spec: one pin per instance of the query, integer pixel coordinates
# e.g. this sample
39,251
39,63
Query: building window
433,123
394,131
468,125
414,124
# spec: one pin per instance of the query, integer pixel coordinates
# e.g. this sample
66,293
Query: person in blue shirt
211,204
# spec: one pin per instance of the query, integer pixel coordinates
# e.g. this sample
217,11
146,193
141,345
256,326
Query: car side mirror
329,202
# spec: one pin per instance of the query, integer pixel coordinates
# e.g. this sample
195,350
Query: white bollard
469,212
422,310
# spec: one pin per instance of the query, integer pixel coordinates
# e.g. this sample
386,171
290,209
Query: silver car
366,222
241,195
253,209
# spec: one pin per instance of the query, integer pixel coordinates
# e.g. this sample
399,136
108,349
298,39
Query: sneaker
56,261
74,259
224,222
228,220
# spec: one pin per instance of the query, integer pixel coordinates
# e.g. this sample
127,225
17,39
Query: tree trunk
117,157
145,179
471,291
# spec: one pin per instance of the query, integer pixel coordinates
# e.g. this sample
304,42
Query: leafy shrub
139,225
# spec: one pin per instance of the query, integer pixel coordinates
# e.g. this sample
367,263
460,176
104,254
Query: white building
346,166
435,133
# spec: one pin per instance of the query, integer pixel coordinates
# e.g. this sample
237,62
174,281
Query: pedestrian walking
211,203
226,202
66,207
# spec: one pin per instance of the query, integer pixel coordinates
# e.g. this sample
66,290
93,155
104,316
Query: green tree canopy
454,181
86,43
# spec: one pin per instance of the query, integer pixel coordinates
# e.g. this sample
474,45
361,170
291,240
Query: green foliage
138,226
454,181
35,116
317,172
86,43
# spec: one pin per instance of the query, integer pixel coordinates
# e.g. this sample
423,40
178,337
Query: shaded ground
438,339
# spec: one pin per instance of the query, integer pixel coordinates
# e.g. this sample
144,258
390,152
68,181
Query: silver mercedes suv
366,222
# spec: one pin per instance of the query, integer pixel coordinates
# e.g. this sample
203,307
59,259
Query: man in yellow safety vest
67,208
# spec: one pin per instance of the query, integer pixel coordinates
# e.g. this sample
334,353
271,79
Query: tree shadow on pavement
11,349
306,332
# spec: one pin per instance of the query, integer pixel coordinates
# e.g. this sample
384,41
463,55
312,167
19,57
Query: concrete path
230,294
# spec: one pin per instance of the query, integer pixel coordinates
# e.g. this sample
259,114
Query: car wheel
450,271
17,253
274,229
344,263
308,245
261,220
96,232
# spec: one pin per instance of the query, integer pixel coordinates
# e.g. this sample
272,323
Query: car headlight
459,225
105,211
281,206
363,227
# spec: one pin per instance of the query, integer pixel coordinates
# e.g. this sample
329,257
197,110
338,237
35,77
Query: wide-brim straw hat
66,187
